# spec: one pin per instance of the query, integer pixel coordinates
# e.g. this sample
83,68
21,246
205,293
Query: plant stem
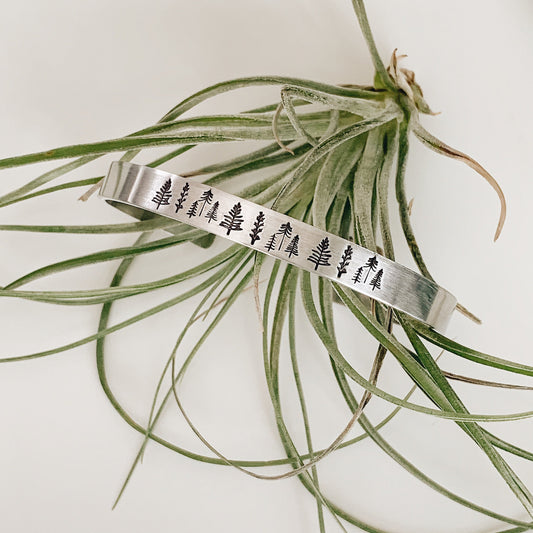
381,71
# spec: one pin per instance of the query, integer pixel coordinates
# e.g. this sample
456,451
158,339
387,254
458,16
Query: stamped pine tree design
376,280
259,225
292,247
163,195
345,260
212,213
371,265
205,199
358,275
271,243
285,231
321,254
233,219
192,210
183,196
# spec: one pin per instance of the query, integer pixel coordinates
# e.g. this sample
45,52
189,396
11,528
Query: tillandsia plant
329,155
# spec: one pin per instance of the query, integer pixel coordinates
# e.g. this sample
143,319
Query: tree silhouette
212,213
376,280
292,247
162,196
258,227
271,243
345,260
358,275
205,198
321,254
285,230
371,265
233,219
183,196
192,210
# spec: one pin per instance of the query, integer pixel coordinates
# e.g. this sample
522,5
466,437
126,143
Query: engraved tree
285,231
271,243
292,247
358,275
162,196
371,265
192,210
321,254
376,280
233,219
258,227
205,199
345,261
212,213
182,197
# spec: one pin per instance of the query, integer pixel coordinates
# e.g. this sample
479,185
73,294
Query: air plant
329,155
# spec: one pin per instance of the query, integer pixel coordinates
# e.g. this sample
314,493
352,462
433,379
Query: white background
79,72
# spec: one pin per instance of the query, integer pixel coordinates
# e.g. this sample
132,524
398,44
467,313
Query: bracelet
145,193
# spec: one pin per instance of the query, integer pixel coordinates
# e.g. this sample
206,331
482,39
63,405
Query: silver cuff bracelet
145,192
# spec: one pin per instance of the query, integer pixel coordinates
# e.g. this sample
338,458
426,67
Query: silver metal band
140,190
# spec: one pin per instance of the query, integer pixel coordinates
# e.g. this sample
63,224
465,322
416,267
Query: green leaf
438,339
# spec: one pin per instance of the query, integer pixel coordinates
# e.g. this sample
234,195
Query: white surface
88,71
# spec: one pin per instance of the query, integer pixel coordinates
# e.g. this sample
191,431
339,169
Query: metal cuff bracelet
145,192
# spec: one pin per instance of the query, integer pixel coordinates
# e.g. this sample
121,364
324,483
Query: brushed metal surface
144,192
